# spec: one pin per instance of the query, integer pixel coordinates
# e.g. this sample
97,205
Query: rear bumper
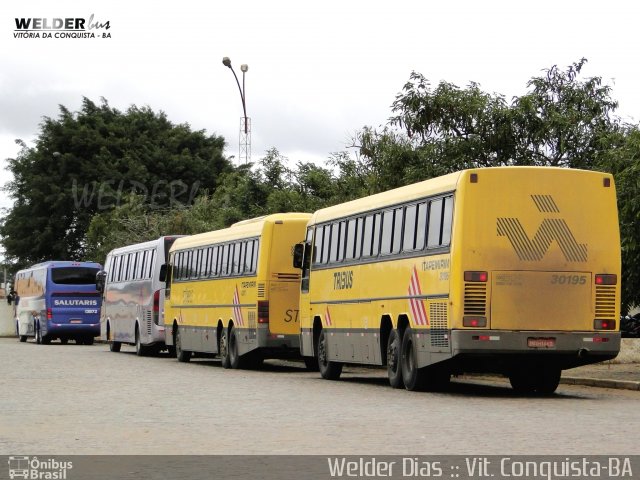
73,329
499,350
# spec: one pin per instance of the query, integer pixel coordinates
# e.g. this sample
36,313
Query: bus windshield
74,275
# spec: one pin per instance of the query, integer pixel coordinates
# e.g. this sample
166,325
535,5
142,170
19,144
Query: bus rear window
74,275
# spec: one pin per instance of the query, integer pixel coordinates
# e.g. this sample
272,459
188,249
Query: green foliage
88,162
562,120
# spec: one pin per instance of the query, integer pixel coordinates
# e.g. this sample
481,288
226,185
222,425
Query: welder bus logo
59,27
550,230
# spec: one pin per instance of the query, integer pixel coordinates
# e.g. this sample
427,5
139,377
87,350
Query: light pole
245,122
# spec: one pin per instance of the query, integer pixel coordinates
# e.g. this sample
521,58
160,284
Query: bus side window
335,241
317,245
447,220
377,221
398,215
256,252
435,223
213,271
387,232
350,253
409,239
367,240
421,227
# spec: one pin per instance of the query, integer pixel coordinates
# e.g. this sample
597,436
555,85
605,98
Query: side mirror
101,278
298,255
165,272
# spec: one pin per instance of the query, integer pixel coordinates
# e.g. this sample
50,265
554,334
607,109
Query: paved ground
84,399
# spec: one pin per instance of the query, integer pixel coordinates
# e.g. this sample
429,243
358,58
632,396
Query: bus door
284,284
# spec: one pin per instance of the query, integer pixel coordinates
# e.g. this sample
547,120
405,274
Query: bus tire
115,346
224,349
394,368
141,350
182,355
542,380
311,363
328,370
36,330
412,376
522,381
235,360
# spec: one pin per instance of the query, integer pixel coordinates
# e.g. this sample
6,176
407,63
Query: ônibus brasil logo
34,468
61,27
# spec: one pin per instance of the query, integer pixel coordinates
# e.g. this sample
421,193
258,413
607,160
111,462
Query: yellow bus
511,270
235,293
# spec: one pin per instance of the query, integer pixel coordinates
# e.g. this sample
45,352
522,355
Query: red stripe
417,303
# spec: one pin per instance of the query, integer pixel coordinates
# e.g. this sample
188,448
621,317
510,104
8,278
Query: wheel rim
233,346
322,352
408,357
392,357
223,345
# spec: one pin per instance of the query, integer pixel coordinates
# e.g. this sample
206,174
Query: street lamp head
244,67
226,61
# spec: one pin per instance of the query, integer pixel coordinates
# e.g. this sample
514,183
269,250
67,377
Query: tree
562,120
90,161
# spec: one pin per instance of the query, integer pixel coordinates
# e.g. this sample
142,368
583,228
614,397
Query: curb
601,383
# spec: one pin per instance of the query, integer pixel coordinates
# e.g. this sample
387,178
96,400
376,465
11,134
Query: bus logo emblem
550,230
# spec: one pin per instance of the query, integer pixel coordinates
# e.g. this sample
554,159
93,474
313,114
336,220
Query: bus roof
245,229
142,245
415,191
446,183
61,263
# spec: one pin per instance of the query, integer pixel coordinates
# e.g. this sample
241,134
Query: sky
318,72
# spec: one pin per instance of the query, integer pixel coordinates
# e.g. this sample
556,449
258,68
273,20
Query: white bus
133,296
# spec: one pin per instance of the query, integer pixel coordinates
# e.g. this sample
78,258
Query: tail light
156,307
49,314
604,324
263,311
476,277
474,321
606,279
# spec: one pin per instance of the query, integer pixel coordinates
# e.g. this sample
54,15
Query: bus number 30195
568,279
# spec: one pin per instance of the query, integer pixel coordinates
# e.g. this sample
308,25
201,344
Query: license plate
75,321
541,342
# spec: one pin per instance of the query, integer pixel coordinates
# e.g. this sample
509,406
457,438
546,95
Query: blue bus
58,300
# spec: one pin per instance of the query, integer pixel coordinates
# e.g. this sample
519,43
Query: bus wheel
328,369
22,338
548,381
235,360
522,381
181,355
141,350
36,329
311,363
224,349
412,376
115,346
543,380
394,369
